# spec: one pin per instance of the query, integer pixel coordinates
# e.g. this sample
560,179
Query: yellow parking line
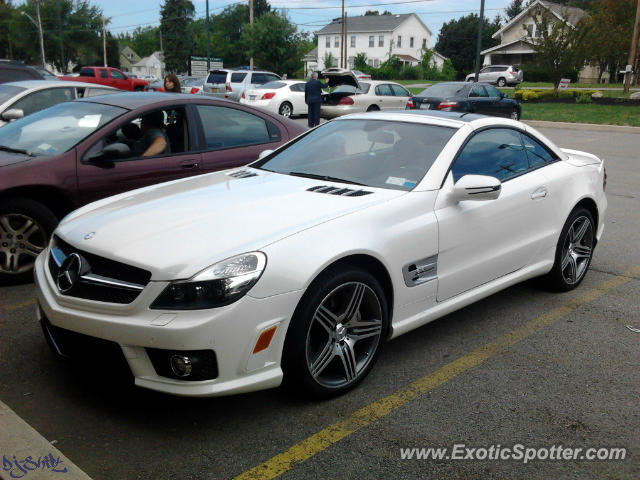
17,306
326,437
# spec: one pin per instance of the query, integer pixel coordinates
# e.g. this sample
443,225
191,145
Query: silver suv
227,83
501,75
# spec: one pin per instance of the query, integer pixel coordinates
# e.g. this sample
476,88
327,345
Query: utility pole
63,66
633,54
104,43
342,37
346,34
37,2
207,29
479,44
251,23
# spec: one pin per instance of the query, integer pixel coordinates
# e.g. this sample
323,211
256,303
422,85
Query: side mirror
12,114
503,95
114,151
264,153
477,187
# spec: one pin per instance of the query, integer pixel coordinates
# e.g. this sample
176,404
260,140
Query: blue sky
308,15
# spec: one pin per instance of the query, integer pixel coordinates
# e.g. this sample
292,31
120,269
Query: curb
26,453
583,126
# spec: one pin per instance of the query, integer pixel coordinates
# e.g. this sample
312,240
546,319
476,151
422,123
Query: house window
351,61
376,63
371,40
353,41
381,40
370,62
424,43
328,44
399,42
411,42
529,29
336,42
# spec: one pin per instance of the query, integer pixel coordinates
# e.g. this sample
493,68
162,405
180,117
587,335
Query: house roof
369,23
407,58
527,46
574,14
311,56
150,60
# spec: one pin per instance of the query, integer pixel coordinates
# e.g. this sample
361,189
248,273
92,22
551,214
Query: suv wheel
501,82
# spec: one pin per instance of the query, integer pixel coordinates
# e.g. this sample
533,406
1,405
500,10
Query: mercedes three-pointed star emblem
69,273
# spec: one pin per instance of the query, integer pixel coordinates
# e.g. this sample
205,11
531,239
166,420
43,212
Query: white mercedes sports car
299,266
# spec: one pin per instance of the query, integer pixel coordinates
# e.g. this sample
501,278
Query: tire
501,82
471,80
286,110
25,229
515,114
322,356
373,108
138,89
574,251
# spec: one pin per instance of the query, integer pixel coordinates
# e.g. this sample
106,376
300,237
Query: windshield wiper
15,150
324,177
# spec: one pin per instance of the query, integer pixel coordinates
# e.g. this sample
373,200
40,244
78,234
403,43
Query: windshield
364,88
7,92
57,129
375,153
443,90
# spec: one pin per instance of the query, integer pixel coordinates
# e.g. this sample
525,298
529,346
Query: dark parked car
466,97
12,71
73,153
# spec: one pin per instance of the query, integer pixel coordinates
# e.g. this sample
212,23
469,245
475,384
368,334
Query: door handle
188,164
539,193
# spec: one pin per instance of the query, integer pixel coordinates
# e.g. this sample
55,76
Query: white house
151,66
310,61
517,37
378,36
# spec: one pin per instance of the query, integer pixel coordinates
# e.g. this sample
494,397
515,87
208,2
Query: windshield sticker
44,147
89,121
396,181
409,184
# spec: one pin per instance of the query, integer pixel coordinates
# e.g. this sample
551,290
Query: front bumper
231,332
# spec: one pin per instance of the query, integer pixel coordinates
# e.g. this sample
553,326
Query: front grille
345,192
105,281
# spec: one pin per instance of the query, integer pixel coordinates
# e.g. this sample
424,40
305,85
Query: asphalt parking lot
524,366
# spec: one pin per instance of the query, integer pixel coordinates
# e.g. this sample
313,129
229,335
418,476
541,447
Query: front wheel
574,251
25,228
286,109
336,333
515,115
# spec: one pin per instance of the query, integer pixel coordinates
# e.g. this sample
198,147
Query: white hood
178,228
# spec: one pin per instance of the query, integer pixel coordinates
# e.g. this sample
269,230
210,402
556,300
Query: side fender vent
242,174
345,192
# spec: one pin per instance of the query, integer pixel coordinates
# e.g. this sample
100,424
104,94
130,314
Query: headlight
216,286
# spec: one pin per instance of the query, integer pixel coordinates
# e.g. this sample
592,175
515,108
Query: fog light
181,365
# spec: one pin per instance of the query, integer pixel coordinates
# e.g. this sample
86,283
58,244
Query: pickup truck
109,76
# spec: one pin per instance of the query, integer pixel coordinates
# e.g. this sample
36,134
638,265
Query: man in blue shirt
313,98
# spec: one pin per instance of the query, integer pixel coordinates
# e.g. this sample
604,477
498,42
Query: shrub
584,99
540,94
410,73
535,73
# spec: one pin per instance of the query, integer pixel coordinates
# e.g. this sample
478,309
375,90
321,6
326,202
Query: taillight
346,101
228,87
409,105
242,96
444,105
268,96
194,90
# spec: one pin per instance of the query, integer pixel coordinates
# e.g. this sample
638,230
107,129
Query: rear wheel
574,251
138,89
501,82
336,333
286,109
25,228
373,108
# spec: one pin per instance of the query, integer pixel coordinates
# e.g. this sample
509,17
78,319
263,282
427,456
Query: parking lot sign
198,65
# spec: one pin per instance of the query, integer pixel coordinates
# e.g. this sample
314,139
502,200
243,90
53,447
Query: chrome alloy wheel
21,241
577,249
343,335
514,115
285,110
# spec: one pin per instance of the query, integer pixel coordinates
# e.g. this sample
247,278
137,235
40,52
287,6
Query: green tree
376,12
143,41
175,15
513,9
6,12
273,43
561,47
457,41
360,62
328,60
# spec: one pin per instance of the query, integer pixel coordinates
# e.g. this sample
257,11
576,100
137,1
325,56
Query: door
384,97
402,95
498,105
485,75
297,98
481,241
118,80
141,167
479,100
231,137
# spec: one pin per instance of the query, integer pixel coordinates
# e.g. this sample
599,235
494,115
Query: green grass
572,85
411,82
582,113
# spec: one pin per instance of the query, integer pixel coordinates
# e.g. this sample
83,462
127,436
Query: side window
536,153
103,73
259,79
492,91
117,75
237,77
169,124
497,153
226,127
271,77
384,90
44,99
297,87
477,91
399,91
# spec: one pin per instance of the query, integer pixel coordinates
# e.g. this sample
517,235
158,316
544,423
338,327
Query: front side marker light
264,340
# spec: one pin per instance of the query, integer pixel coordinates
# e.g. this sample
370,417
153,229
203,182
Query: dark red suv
61,158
